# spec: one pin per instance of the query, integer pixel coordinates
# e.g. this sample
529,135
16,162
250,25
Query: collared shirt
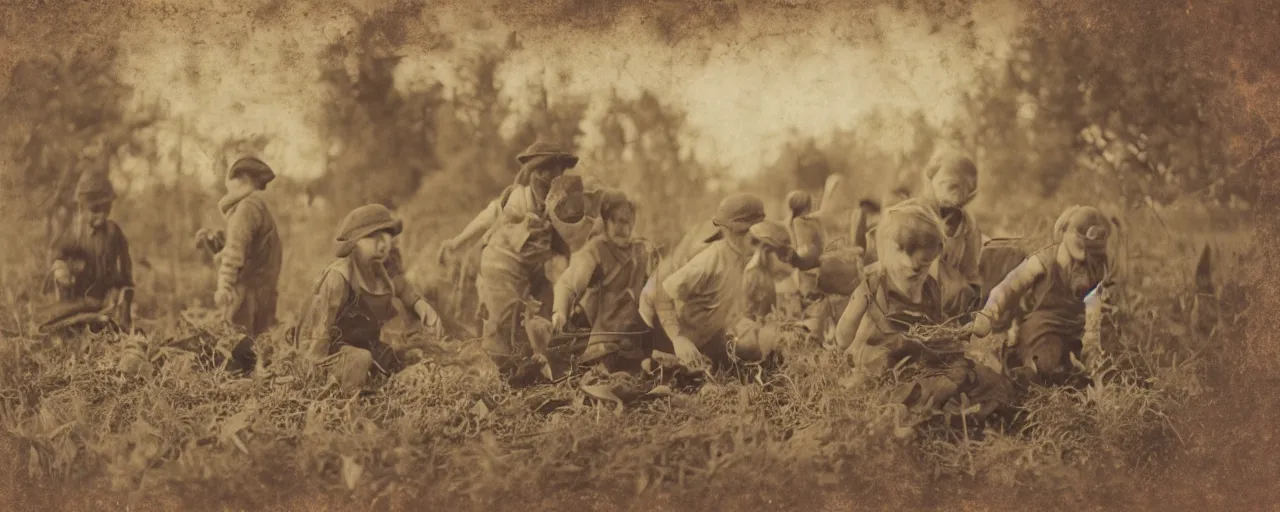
616,275
708,291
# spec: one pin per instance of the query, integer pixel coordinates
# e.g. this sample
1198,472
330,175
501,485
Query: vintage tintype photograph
659,255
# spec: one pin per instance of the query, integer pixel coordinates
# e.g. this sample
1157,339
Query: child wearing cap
698,302
615,265
540,164
250,258
341,327
1046,295
770,262
91,260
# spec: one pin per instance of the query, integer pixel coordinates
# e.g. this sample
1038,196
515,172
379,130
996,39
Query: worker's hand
558,322
981,326
446,251
689,354
62,277
429,318
202,238
228,300
111,300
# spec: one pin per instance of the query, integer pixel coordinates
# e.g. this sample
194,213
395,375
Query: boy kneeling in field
1046,295
341,328
92,271
697,301
951,184
615,267
898,293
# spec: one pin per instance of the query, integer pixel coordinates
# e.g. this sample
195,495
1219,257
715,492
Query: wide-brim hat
362,222
254,168
543,149
539,154
94,188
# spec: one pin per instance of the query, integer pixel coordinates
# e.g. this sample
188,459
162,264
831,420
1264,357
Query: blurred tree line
1091,106
65,113
1088,106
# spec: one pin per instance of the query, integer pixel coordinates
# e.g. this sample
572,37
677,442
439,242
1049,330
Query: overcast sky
745,92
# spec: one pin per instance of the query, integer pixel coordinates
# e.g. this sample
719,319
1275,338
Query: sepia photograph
639,255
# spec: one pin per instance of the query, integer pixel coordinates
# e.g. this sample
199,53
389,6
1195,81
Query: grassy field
446,432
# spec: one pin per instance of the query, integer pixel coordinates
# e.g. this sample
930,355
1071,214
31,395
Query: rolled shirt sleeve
321,314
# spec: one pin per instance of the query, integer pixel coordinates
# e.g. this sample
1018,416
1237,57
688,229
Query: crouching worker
341,327
250,258
898,293
698,303
756,337
92,270
1046,295
615,267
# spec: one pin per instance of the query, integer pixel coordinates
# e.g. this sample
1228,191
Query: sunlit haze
745,95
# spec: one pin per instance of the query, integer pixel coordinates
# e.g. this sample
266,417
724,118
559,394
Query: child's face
96,215
911,267
618,229
374,248
951,190
776,265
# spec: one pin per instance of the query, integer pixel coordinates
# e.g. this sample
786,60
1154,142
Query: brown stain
1230,462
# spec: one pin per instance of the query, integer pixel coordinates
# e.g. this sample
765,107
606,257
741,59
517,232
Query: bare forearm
574,280
479,224
847,327
1012,286
665,307
564,298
